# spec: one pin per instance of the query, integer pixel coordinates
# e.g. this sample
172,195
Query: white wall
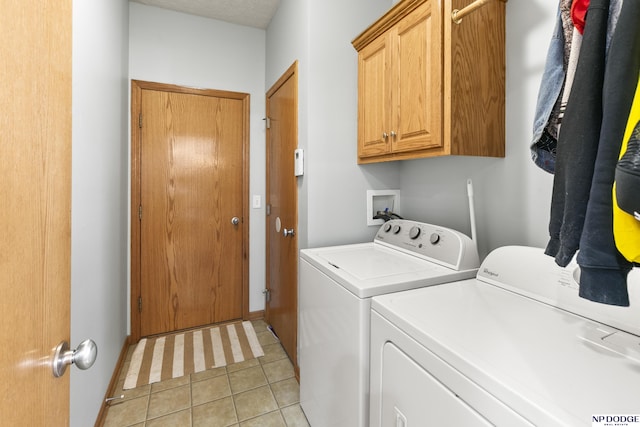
337,187
99,196
182,49
512,196
332,193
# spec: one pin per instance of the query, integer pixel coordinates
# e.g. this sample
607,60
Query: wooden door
35,172
282,200
417,77
374,98
192,207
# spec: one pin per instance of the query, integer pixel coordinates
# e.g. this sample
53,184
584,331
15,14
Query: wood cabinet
429,87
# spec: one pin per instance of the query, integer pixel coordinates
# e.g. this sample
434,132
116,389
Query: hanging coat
603,269
578,139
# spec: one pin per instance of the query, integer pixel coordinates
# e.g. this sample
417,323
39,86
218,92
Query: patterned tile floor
259,392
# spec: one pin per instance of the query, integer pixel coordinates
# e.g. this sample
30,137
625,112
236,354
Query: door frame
137,86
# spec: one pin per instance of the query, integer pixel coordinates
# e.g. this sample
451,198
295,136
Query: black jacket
604,269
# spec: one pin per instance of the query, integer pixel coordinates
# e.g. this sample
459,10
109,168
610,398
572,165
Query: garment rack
457,15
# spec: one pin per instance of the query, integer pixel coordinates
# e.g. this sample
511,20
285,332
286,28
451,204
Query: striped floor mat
161,358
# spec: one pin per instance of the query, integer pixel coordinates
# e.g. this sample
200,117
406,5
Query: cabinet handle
393,134
385,135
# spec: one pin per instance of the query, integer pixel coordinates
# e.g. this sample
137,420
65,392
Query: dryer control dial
434,238
396,229
387,227
414,232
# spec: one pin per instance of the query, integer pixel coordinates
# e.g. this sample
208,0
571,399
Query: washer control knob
396,229
387,227
414,232
434,238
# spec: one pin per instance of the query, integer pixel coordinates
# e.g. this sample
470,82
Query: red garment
578,13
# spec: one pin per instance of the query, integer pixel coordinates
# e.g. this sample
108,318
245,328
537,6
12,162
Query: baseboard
113,383
255,315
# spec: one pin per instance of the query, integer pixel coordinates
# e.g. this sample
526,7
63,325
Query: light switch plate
257,201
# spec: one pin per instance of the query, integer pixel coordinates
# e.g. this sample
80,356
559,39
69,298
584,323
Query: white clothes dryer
335,291
516,346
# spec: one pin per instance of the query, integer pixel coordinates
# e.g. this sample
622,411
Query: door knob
235,220
84,356
291,232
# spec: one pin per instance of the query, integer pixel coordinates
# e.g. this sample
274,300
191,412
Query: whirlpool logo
490,273
615,420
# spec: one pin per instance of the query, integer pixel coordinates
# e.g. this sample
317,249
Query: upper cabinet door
374,97
417,81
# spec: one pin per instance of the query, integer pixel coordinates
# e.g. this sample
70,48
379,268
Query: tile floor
259,392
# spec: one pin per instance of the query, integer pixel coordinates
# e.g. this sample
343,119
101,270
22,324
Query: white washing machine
514,347
335,291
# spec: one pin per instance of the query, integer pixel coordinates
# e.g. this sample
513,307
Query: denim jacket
543,146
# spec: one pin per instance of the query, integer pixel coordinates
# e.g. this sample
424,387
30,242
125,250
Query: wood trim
245,206
386,21
113,384
291,71
189,90
136,106
255,315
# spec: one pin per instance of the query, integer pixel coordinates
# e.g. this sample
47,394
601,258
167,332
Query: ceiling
252,13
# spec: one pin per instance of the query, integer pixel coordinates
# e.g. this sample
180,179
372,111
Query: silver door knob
393,134
83,357
235,220
290,232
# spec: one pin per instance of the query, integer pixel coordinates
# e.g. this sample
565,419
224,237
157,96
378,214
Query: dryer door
411,386
412,397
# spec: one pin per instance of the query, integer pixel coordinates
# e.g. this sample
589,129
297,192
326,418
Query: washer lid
551,366
371,262
369,269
